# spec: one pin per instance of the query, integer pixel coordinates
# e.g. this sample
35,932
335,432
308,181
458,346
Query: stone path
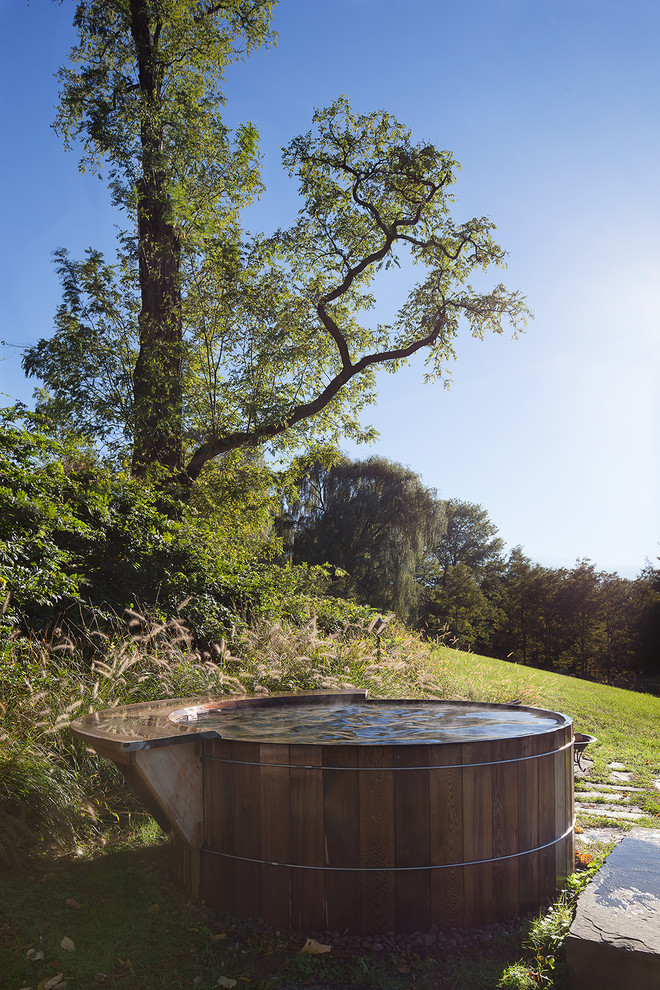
614,799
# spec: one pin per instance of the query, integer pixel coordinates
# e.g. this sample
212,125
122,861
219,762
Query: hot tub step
614,941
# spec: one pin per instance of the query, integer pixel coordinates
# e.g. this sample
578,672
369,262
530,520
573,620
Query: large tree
243,341
373,520
470,539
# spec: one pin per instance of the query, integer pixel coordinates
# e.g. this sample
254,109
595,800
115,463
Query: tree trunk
157,378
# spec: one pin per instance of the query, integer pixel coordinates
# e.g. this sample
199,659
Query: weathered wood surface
379,838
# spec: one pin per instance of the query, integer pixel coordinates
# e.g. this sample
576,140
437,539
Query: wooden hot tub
356,834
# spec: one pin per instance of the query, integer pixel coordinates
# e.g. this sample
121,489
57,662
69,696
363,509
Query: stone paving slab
614,941
616,776
622,788
607,794
631,813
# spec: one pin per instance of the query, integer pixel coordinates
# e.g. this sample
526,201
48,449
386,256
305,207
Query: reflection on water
150,723
371,722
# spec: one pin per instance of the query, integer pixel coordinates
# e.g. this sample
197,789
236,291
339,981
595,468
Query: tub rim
160,728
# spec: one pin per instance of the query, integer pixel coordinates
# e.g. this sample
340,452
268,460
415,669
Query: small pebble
440,941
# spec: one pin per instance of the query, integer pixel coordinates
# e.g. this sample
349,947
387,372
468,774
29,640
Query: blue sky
552,107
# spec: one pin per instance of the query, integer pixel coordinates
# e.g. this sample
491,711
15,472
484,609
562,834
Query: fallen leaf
72,904
154,909
34,955
67,944
224,981
216,938
313,948
51,983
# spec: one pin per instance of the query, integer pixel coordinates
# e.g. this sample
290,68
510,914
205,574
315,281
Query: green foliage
372,521
203,339
42,799
87,364
459,608
580,620
470,539
75,535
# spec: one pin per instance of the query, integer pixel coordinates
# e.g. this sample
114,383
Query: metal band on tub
446,766
395,869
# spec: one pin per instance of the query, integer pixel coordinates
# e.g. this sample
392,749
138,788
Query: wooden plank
186,867
219,874
478,833
341,827
505,833
275,833
247,827
564,809
377,839
446,834
411,799
307,885
172,775
548,743
219,881
529,886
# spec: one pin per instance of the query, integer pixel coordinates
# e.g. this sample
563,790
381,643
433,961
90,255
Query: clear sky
552,107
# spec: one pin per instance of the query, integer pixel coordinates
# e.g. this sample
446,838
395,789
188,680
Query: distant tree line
440,565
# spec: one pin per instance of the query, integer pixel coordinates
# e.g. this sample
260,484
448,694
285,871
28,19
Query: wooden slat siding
341,817
570,780
446,834
306,838
505,831
561,823
413,847
219,873
549,743
528,824
275,832
247,827
564,808
186,867
478,833
377,839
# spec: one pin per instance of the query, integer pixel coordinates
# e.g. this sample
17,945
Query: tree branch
305,410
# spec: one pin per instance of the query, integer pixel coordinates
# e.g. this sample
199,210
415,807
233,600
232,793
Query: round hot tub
327,811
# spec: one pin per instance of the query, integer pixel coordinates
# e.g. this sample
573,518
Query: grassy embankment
104,888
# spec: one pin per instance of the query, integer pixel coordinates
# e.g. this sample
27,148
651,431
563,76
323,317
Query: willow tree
248,341
374,521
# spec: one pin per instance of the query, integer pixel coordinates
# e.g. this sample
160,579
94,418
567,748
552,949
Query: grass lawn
107,916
